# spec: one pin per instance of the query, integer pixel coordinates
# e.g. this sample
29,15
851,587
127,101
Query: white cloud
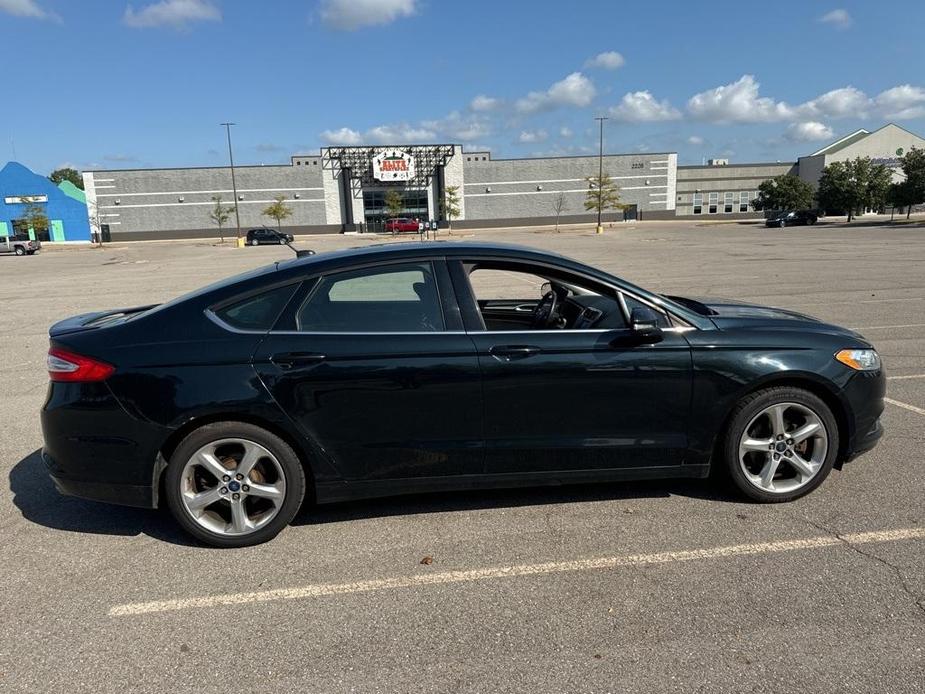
565,131
609,60
173,13
808,131
350,15
737,103
343,136
574,90
838,103
642,107
484,103
840,19
532,136
458,127
695,140
399,134
27,8
901,102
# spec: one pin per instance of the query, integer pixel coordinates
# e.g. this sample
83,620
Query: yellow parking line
516,570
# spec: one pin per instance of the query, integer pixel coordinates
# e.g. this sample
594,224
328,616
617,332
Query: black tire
743,413
19,250
288,460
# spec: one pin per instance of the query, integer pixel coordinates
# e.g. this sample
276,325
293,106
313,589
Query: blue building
65,207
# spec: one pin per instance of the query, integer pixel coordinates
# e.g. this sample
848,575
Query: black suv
791,218
256,237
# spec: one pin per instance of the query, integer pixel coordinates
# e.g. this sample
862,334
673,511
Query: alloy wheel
232,486
783,448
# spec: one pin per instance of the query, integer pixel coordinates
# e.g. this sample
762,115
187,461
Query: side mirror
644,324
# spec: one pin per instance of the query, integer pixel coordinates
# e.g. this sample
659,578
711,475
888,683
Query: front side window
394,298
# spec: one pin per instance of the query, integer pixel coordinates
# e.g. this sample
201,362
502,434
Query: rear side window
394,298
257,312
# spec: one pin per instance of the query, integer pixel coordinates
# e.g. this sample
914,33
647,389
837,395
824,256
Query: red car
401,224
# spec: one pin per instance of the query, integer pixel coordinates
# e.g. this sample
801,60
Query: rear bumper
95,450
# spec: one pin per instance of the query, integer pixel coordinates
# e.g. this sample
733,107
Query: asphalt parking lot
663,587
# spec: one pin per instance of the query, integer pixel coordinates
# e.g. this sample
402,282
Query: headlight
860,359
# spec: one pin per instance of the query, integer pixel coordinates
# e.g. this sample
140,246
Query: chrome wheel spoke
240,523
208,461
252,455
265,491
804,432
776,413
768,471
804,467
755,445
199,501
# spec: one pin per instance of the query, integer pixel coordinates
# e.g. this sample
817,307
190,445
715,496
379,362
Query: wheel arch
170,445
794,380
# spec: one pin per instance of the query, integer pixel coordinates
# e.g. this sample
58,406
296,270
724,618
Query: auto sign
393,165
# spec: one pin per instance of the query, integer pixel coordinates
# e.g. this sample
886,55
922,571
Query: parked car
263,235
791,218
233,403
401,224
19,244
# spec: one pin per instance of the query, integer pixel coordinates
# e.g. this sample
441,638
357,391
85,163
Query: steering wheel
545,311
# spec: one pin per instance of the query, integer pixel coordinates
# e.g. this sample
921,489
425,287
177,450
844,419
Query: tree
67,174
220,214
394,203
450,204
913,165
784,192
33,215
851,186
603,194
559,204
279,211
902,195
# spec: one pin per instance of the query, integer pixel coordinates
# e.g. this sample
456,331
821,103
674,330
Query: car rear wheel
781,444
232,484
20,250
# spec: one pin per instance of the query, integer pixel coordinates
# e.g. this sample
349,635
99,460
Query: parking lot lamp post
600,175
234,187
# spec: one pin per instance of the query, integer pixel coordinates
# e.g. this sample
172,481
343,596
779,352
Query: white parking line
890,327
905,405
473,575
904,378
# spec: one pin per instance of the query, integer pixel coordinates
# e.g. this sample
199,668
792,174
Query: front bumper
864,395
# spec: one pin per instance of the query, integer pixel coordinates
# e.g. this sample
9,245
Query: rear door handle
513,352
294,360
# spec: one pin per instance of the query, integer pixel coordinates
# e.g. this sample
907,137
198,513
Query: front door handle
513,352
294,360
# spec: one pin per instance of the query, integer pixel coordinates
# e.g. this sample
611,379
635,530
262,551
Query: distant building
344,188
65,205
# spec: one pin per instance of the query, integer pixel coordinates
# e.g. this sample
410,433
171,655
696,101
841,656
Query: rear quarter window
256,312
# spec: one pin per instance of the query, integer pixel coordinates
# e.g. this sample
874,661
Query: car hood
730,313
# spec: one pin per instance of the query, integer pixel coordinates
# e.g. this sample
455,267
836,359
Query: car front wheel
232,484
781,444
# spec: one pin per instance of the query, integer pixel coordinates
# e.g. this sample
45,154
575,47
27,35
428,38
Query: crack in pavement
917,600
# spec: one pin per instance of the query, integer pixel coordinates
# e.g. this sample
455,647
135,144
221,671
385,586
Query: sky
106,84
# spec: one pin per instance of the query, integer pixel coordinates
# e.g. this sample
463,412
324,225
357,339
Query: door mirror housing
644,322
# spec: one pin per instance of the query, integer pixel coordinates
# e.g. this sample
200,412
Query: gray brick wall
168,201
735,179
508,189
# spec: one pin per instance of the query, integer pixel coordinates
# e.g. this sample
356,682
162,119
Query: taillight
75,368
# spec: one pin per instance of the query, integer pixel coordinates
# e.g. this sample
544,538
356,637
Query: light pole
234,186
600,176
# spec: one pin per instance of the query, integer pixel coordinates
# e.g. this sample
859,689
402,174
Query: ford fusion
415,367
